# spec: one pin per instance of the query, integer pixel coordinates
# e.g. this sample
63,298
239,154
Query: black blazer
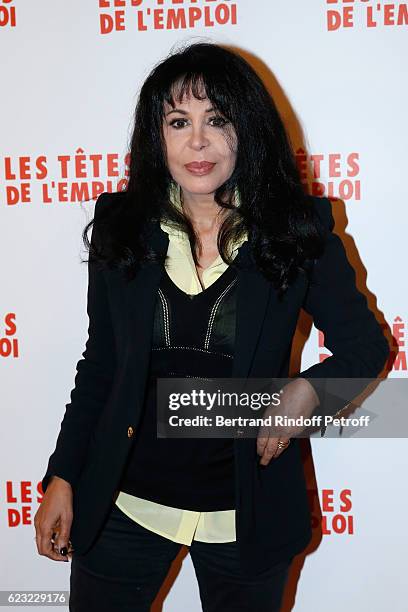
272,514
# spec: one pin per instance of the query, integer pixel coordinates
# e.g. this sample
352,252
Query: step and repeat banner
70,76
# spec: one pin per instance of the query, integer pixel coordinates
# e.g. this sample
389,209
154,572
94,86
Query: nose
198,138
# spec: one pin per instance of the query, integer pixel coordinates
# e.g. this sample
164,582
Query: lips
200,167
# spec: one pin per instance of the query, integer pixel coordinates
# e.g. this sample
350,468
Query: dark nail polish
64,550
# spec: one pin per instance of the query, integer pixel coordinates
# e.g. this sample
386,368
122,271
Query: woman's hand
53,520
298,399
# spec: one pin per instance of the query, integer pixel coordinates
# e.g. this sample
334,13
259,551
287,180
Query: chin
199,185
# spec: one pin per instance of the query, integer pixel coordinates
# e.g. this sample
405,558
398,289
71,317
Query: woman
198,269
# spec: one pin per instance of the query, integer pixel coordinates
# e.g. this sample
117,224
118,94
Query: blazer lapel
253,291
140,299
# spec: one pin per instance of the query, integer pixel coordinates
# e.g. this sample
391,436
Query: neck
203,211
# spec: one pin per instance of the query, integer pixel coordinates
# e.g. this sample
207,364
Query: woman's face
193,134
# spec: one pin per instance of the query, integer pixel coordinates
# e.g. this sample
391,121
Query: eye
219,122
175,121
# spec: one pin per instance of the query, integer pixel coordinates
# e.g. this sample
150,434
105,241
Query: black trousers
125,568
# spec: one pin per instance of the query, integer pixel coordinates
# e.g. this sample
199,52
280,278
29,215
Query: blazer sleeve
351,332
93,380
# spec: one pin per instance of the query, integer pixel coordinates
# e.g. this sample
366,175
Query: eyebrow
183,112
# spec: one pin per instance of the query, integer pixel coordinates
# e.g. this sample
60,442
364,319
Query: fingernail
64,550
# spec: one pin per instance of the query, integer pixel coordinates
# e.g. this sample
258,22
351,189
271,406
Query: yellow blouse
174,523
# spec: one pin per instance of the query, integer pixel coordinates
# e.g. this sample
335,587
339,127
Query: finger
70,549
63,536
260,445
269,451
49,541
284,440
281,449
65,551
46,547
55,534
262,439
63,539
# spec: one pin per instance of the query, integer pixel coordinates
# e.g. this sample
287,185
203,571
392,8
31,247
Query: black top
193,336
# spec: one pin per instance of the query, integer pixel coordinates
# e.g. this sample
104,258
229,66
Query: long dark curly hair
283,227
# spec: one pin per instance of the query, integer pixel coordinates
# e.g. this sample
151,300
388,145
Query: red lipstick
200,168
